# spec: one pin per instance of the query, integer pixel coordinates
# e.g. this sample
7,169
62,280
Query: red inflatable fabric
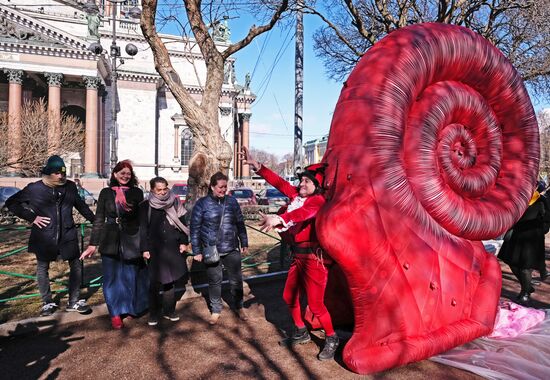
433,146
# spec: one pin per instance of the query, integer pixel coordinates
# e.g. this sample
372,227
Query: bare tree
35,147
268,159
285,165
543,118
520,28
211,152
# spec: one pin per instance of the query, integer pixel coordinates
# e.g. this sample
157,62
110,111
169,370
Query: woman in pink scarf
125,282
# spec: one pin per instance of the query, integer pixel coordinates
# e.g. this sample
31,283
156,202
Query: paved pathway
191,349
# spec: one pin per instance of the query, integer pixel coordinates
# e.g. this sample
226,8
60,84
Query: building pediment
19,28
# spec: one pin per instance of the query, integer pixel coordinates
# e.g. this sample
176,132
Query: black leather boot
300,336
544,275
524,298
331,344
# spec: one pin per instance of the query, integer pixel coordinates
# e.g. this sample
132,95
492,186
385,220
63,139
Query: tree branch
164,66
340,35
255,31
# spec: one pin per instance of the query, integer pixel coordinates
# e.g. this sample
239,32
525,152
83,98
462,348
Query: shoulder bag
128,246
210,254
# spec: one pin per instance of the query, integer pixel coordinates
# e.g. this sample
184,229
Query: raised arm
271,177
277,181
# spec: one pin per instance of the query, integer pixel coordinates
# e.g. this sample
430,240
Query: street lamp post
114,52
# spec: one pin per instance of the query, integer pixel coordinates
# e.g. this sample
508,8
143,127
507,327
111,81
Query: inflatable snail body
433,147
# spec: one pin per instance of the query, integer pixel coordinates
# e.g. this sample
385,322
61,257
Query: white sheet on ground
526,356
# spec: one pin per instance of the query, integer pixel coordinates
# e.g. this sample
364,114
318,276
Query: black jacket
205,222
105,231
525,247
162,240
60,237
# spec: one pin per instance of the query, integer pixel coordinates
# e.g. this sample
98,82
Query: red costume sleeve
276,181
307,211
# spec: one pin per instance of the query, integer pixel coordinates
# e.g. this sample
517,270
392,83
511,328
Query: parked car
6,192
244,195
87,197
274,199
6,217
145,192
180,190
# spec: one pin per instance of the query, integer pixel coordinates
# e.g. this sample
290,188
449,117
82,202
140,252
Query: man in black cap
48,205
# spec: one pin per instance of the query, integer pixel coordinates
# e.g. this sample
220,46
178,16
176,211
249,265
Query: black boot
331,344
300,336
544,275
524,298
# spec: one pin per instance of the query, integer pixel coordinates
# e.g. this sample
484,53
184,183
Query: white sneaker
79,306
48,309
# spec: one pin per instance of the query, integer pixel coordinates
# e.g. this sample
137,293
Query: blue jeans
231,262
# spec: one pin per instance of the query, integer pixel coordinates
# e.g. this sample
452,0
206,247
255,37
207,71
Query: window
186,146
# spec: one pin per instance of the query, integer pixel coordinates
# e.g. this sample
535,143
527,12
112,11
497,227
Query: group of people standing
159,224
132,281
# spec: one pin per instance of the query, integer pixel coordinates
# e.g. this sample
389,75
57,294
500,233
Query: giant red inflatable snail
433,147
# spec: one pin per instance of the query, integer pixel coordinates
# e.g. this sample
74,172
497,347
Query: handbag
210,254
129,248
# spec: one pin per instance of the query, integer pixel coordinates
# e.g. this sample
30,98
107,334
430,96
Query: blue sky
270,60
272,122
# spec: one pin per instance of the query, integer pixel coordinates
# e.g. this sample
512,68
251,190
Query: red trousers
308,274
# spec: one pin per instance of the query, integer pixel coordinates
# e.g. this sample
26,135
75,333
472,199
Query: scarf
536,195
120,198
173,208
49,181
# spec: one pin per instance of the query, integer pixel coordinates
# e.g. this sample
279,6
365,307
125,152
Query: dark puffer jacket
205,222
60,236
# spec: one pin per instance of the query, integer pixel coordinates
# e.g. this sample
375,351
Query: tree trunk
211,152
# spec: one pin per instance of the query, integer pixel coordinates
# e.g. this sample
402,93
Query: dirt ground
191,349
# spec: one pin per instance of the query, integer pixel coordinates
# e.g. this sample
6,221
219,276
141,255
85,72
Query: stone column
239,166
245,117
54,111
91,146
176,142
15,150
102,140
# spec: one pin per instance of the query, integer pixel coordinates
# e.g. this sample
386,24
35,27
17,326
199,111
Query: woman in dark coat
48,205
229,236
164,240
125,282
523,247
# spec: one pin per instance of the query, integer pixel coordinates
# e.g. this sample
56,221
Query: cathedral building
49,49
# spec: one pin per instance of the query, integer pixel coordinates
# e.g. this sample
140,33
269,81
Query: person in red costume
309,267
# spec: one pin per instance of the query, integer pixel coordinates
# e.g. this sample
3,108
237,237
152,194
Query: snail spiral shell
447,126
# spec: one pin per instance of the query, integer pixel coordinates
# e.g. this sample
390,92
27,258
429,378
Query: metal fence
97,281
